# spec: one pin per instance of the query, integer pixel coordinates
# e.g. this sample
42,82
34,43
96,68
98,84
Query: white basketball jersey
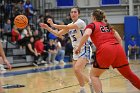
76,36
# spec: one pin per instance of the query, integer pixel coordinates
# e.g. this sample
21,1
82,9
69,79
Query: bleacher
16,56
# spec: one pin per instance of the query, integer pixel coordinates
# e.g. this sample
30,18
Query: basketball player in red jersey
109,51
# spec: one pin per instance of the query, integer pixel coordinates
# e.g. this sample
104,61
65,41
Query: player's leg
128,74
94,75
2,69
78,69
1,88
121,64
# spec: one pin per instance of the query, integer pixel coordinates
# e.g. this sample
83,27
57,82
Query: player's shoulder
80,20
96,23
91,24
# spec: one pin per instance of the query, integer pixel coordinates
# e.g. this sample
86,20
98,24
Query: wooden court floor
61,79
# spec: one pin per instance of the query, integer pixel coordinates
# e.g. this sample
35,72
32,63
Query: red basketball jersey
101,34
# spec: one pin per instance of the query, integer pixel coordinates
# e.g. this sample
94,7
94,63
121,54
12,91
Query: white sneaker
2,69
56,62
43,61
62,62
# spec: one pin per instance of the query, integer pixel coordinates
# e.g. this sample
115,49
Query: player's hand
50,21
43,25
77,50
36,54
8,64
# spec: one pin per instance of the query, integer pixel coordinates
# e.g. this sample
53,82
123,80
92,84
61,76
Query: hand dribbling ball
21,21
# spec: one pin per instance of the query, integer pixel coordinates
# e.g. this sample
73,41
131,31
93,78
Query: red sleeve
41,47
90,26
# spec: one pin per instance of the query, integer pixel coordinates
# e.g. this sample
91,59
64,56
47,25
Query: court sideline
61,79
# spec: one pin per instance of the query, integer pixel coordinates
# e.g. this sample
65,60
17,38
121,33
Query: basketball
21,21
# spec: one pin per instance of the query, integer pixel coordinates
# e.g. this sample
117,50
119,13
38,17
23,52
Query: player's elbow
86,35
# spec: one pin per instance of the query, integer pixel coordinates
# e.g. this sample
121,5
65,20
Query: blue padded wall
131,27
138,36
63,3
108,2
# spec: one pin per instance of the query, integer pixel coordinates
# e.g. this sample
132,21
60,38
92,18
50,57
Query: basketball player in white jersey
75,31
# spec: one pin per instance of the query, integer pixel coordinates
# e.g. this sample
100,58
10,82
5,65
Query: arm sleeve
91,26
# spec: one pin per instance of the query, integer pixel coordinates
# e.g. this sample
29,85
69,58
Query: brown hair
107,24
76,7
100,16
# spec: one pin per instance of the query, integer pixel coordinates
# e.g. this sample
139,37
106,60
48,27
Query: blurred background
122,14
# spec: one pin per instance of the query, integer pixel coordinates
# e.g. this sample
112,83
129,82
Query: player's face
9,22
74,14
32,39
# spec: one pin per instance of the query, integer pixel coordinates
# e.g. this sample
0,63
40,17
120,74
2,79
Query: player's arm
30,48
85,37
2,54
117,36
69,26
56,33
35,52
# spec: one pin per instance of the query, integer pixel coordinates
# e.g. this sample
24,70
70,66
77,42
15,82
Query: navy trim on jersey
89,53
81,32
85,45
89,49
122,66
86,50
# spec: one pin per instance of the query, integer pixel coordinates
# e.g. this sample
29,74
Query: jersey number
104,29
74,38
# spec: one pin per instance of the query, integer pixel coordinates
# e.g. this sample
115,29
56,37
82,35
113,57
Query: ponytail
106,22
100,16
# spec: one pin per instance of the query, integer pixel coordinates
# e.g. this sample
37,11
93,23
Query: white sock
82,88
1,65
89,81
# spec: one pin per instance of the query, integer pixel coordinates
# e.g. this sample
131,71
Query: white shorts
86,52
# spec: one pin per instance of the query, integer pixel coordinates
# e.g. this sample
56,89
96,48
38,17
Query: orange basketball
21,21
